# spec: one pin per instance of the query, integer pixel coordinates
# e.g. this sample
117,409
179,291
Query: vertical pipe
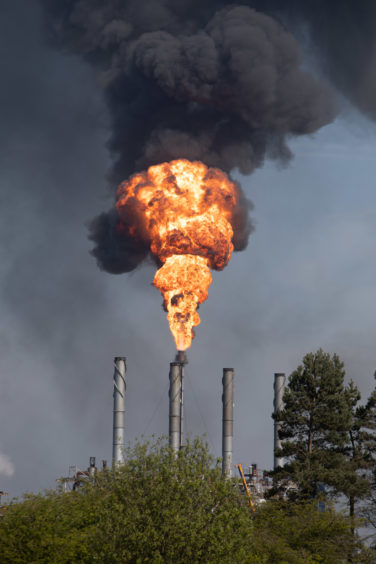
119,410
181,438
181,358
227,420
279,386
175,406
92,468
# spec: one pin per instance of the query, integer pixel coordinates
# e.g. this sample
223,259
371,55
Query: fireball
184,210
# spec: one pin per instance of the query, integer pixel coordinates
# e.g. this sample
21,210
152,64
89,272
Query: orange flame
184,209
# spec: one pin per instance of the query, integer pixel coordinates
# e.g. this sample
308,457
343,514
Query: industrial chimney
279,386
175,396
119,410
182,359
92,470
227,420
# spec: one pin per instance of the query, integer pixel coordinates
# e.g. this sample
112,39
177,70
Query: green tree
360,451
328,437
159,507
366,436
287,532
315,424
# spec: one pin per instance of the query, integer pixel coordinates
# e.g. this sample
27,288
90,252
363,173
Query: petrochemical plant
252,481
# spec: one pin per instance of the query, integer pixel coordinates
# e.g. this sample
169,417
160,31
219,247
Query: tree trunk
352,513
352,527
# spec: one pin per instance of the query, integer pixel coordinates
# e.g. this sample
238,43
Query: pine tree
360,451
315,425
366,415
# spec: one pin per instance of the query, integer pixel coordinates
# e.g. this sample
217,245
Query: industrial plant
253,481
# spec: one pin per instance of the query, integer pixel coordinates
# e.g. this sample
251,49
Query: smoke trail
343,36
6,465
224,85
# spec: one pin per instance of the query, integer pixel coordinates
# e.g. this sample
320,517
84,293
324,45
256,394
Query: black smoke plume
342,34
204,81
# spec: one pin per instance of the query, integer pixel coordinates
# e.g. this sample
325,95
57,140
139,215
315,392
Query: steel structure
174,432
227,420
119,410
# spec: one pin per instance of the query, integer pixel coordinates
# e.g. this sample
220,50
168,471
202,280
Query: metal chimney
119,410
92,470
182,359
227,420
175,393
279,386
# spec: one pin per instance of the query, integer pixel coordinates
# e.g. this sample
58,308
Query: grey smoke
6,465
224,85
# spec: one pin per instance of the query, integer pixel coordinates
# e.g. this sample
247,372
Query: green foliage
297,533
154,508
315,423
328,438
326,435
176,508
365,439
158,507
360,450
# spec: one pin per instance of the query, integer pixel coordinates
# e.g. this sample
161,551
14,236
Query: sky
305,281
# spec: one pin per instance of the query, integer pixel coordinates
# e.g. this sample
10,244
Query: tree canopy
315,422
159,507
328,437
